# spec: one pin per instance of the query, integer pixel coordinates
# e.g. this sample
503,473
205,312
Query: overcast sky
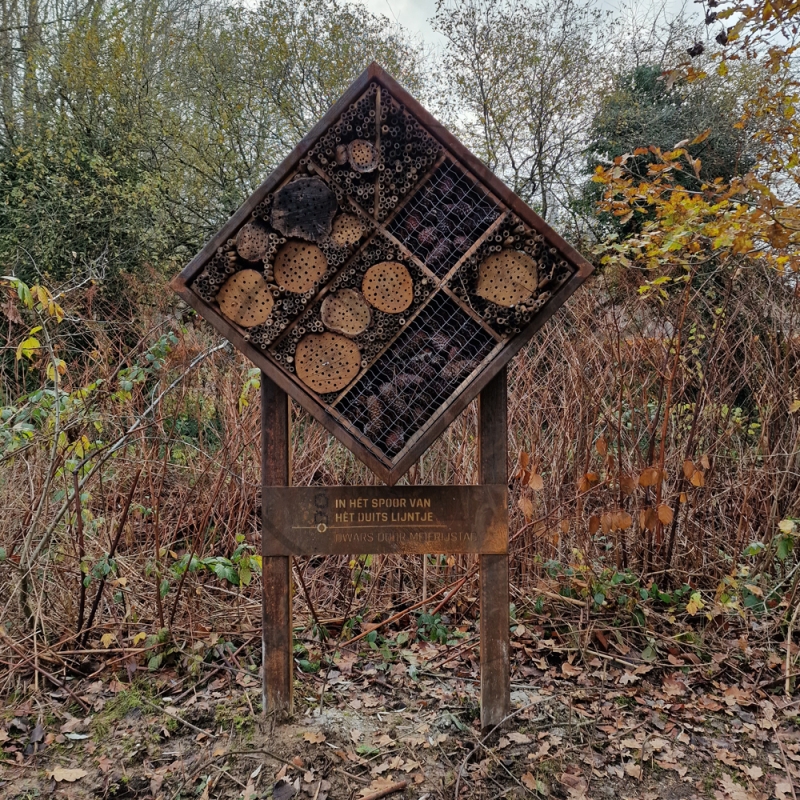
415,14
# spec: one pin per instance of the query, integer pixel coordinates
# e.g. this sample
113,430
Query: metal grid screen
444,219
411,381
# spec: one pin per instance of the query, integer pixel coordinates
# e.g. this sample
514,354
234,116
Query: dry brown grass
601,395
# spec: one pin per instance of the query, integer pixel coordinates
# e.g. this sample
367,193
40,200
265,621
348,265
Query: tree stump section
345,312
388,287
363,155
299,266
327,362
246,299
304,208
252,241
507,278
347,230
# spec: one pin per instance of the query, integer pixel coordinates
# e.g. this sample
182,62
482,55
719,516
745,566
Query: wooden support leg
276,601
495,648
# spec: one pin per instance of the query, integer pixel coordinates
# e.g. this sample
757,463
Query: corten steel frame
391,468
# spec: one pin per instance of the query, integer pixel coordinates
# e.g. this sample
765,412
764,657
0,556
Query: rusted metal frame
276,571
328,418
284,170
494,621
451,410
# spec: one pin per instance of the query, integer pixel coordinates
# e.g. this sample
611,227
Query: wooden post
276,599
495,665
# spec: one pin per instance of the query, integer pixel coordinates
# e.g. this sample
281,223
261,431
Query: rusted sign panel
375,519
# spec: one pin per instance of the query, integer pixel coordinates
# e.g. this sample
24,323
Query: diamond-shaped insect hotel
382,275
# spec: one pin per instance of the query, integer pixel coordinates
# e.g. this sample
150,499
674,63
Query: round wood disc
507,278
388,287
346,312
245,298
299,265
363,155
252,241
326,362
305,208
347,229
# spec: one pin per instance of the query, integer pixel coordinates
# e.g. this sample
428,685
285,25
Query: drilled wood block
245,298
299,266
327,362
346,312
388,287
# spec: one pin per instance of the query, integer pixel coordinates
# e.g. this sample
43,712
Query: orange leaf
526,506
698,479
536,482
649,477
689,468
665,514
602,445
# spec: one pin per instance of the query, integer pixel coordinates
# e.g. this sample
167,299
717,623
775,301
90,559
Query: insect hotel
383,277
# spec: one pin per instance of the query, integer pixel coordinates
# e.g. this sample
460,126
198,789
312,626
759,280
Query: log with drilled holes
347,230
345,312
363,155
507,278
305,208
246,298
252,241
327,362
299,266
388,287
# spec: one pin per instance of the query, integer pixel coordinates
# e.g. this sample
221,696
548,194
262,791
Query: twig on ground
395,787
178,719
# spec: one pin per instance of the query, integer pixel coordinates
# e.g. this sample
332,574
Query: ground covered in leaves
608,726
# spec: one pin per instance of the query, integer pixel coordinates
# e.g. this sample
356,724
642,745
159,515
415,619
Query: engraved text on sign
376,519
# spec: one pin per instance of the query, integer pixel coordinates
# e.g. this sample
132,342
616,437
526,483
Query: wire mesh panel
444,218
381,275
412,380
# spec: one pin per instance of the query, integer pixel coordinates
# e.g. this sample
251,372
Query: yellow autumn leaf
140,637
107,639
695,603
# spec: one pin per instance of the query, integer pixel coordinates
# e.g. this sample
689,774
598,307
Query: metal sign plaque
382,275
335,520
